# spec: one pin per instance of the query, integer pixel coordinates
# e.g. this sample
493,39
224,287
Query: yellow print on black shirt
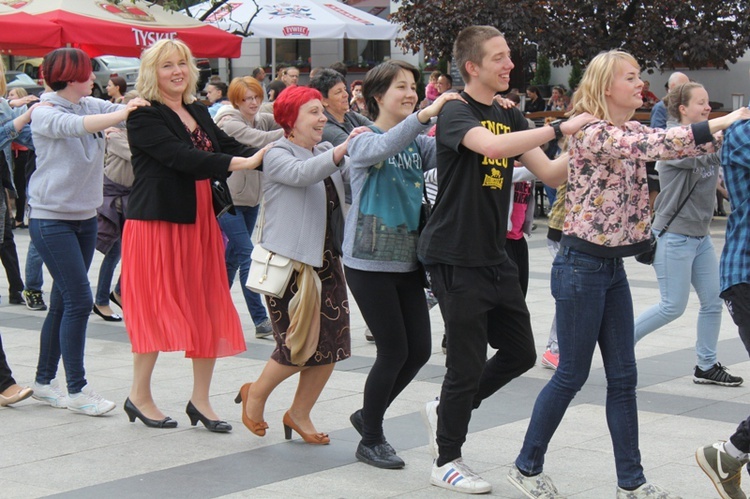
494,180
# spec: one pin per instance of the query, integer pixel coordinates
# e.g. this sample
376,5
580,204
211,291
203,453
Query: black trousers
6,377
19,179
518,251
9,256
480,305
395,309
737,300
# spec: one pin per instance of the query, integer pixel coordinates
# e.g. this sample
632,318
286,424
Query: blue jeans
682,260
593,306
106,271
34,275
67,248
239,229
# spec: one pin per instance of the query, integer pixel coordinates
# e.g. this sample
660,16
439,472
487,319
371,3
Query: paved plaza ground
52,452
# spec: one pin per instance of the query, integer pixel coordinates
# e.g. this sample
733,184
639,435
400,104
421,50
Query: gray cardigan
294,199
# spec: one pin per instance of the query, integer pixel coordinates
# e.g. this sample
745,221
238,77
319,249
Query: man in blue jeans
723,461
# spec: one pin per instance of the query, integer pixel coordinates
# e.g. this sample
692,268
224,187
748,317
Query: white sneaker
89,402
458,477
646,491
50,394
536,487
430,418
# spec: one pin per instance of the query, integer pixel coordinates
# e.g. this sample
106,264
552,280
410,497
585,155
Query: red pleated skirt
175,292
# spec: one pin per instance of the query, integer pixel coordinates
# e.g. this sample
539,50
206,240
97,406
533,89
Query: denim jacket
8,132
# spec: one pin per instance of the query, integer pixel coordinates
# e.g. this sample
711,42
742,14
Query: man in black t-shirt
463,246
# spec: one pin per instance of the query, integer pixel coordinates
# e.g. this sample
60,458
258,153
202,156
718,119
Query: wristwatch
556,127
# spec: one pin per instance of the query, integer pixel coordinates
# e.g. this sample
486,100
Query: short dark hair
65,65
220,86
258,71
379,79
340,67
325,80
447,77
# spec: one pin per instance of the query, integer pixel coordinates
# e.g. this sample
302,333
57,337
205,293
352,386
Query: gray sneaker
536,487
50,394
646,491
724,470
89,402
264,329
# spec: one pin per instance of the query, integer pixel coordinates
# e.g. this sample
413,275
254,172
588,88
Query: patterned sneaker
646,491
34,300
89,402
717,375
430,417
724,470
458,477
50,394
537,486
264,329
550,360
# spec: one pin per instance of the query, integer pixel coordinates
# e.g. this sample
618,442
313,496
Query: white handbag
270,272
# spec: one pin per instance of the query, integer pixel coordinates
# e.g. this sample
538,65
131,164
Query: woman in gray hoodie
242,121
64,193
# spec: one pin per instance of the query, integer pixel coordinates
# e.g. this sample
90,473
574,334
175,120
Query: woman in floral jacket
607,219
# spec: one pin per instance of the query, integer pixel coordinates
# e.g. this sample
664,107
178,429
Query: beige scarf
303,333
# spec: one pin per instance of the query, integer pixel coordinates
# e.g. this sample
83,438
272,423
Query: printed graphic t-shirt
470,217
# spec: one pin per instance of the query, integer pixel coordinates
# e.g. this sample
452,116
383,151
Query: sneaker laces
464,469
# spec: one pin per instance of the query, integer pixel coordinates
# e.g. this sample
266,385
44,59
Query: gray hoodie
245,186
67,183
676,178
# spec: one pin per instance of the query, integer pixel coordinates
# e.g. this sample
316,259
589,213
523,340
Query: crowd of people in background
335,177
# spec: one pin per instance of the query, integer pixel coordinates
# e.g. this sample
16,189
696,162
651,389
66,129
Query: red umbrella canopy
22,33
126,28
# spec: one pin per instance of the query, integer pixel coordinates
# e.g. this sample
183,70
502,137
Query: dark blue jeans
67,248
593,306
239,229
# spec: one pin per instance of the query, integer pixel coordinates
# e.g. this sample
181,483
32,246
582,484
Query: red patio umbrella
102,27
22,33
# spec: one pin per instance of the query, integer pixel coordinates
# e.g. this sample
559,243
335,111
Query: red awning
23,34
101,27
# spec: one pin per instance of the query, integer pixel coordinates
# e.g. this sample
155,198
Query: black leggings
394,307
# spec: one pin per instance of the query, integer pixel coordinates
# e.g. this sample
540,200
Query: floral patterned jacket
607,199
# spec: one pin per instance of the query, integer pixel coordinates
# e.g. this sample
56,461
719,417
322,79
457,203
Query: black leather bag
647,257
221,197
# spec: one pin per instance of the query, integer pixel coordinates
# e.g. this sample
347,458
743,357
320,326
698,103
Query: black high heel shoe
214,425
132,411
113,298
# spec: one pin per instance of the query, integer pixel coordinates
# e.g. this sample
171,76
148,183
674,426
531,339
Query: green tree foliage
543,71
659,33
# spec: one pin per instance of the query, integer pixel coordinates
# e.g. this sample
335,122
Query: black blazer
166,164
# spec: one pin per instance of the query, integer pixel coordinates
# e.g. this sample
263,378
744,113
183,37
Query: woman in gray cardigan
302,187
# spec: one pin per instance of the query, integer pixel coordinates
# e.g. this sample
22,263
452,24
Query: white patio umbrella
294,19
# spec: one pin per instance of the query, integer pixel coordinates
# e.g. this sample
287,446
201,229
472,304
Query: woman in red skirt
175,290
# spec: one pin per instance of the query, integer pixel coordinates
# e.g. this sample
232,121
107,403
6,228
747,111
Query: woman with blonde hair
174,282
607,219
242,121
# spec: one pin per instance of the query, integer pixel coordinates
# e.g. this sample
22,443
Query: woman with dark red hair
303,190
64,193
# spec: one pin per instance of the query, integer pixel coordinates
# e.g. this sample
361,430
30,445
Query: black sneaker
379,455
717,375
34,300
16,298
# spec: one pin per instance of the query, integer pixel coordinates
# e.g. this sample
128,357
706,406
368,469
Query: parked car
16,79
104,67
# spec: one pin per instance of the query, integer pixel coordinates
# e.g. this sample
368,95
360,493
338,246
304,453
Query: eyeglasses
253,98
